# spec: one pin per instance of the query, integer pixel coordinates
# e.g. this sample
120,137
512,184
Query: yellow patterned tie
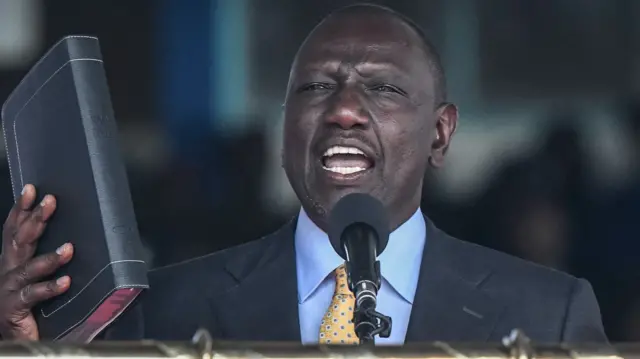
337,324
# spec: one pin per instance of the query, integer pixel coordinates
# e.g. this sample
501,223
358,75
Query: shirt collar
400,261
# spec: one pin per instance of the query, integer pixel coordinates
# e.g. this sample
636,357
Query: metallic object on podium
515,346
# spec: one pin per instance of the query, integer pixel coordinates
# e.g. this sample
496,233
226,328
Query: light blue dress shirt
399,264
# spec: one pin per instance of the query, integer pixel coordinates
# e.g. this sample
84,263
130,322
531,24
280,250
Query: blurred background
544,164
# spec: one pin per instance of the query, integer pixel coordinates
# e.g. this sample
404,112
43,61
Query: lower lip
346,178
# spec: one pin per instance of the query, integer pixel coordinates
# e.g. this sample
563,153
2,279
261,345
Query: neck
403,208
403,216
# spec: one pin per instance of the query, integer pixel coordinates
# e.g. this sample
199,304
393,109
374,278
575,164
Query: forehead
364,38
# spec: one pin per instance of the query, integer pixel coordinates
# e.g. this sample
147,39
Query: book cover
60,135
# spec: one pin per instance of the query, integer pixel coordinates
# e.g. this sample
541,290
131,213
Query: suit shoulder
510,272
208,268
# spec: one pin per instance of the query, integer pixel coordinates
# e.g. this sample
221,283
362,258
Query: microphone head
358,208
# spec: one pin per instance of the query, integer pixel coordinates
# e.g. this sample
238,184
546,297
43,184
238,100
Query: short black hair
433,57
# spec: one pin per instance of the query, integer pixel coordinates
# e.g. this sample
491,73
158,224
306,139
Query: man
365,111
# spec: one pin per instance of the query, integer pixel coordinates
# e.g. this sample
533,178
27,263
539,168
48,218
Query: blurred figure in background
611,259
198,208
619,214
539,229
623,312
534,207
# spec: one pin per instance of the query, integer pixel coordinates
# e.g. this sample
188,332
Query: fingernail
61,249
62,281
24,189
44,201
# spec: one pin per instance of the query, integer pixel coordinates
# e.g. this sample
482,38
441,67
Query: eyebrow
364,69
372,69
348,45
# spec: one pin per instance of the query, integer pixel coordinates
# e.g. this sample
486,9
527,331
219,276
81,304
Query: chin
322,190
330,199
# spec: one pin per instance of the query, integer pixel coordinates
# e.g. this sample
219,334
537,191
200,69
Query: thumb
24,329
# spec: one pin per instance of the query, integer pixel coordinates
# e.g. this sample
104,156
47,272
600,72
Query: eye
387,88
315,86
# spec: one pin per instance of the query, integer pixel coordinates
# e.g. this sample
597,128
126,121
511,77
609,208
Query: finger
39,267
31,229
33,294
20,211
45,209
22,327
20,244
26,199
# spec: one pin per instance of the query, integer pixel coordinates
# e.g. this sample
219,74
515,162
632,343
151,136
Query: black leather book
60,135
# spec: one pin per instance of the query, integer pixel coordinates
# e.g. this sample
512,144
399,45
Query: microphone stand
367,321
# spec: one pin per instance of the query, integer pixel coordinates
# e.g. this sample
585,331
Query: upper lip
348,142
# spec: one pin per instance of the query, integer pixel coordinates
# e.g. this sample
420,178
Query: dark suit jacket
465,293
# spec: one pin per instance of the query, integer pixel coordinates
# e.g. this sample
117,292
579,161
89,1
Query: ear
446,123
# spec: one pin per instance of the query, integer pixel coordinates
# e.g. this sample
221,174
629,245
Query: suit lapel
263,306
448,305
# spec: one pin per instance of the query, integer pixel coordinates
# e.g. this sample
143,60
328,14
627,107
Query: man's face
360,116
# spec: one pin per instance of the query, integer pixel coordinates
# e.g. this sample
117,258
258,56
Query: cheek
408,137
300,119
298,131
408,147
292,142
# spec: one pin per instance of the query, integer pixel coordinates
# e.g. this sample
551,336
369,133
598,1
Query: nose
348,110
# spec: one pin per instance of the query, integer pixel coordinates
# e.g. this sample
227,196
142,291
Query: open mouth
346,160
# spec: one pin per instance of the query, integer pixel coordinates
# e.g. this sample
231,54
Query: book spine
109,173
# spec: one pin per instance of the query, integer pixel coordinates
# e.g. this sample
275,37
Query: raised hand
21,274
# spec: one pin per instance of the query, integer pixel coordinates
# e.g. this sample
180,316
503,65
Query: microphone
359,232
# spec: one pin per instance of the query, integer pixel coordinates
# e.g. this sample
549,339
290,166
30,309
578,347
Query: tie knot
342,286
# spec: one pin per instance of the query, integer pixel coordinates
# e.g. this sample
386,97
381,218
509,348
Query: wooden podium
516,346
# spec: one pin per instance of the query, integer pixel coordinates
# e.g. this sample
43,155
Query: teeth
345,170
335,150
